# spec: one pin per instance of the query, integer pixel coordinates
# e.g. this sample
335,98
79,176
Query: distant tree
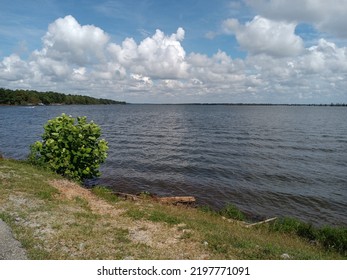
25,97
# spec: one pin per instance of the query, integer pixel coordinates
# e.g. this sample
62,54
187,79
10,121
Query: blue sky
253,51
28,22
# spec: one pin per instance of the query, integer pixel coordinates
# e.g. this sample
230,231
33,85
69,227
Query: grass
232,212
105,194
57,219
332,239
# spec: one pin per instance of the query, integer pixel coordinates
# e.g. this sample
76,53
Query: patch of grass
120,235
35,247
331,238
206,209
135,213
86,215
82,202
21,176
6,217
230,211
153,215
47,193
161,216
27,238
334,238
105,194
287,225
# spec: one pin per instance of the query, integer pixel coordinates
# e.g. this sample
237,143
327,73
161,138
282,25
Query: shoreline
46,211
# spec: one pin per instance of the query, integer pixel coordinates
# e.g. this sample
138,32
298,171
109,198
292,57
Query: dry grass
73,223
115,235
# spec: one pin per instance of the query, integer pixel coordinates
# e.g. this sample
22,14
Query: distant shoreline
55,105
183,104
21,97
246,104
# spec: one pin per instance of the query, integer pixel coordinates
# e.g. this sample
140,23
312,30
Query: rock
285,256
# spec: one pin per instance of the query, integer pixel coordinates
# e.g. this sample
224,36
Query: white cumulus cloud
67,39
262,35
159,56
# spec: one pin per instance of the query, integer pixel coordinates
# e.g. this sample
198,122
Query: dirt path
10,248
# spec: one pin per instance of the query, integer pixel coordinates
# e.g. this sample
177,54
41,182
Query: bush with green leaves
70,147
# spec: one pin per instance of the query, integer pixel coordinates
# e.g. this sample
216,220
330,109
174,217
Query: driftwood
176,199
262,222
167,200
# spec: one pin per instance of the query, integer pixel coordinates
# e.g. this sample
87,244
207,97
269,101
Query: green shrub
72,149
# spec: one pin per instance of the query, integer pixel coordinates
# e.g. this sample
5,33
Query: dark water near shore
267,160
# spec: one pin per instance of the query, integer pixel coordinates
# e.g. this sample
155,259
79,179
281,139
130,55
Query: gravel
10,248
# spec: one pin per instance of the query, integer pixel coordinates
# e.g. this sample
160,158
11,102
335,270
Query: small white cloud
144,80
12,68
230,26
79,74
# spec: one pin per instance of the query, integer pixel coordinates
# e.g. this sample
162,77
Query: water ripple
269,161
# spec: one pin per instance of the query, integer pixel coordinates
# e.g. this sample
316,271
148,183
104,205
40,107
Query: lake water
267,160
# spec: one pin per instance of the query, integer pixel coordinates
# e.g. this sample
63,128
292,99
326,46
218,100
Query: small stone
285,256
205,243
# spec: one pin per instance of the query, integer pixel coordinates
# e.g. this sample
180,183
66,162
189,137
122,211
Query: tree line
33,97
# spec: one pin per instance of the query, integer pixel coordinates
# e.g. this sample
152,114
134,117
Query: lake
268,160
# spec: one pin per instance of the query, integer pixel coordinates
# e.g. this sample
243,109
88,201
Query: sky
183,51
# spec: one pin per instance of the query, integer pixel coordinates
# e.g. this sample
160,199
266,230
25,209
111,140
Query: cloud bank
278,68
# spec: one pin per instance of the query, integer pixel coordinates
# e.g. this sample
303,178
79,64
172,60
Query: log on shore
176,199
186,200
